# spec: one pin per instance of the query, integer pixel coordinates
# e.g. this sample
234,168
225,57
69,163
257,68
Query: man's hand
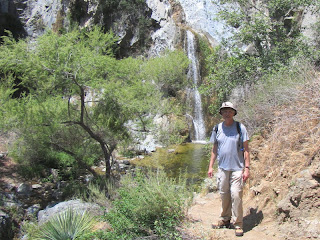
212,159
246,174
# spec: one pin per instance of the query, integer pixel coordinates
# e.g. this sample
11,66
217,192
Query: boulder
24,189
77,205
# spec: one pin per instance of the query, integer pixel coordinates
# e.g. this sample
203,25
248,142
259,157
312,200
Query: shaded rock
261,188
36,186
294,209
6,231
125,162
284,208
24,189
315,171
32,210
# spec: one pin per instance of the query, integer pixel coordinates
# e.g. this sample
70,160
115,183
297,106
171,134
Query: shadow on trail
251,220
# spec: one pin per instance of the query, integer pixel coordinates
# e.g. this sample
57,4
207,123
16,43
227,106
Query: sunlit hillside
285,172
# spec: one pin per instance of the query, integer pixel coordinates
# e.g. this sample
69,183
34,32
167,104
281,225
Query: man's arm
246,173
212,159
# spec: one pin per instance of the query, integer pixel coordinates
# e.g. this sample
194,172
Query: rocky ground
280,202
296,216
293,214
201,215
206,209
281,198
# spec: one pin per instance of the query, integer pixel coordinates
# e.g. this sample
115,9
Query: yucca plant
68,225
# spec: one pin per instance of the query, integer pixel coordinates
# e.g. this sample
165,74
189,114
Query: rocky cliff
131,22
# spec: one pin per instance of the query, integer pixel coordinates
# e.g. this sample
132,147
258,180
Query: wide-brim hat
227,105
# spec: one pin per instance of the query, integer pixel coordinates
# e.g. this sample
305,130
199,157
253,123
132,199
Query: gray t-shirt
230,157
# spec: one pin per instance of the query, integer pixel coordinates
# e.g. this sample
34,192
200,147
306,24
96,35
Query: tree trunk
107,157
104,147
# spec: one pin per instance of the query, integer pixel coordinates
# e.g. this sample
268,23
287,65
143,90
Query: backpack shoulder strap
239,128
240,142
216,128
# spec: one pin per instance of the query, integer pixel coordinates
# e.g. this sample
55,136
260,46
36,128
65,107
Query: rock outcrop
295,208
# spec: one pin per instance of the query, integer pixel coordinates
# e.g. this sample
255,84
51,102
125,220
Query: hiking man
231,148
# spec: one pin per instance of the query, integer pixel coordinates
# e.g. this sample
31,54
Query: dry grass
294,140
288,140
268,101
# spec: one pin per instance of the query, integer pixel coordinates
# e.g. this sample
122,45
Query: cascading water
194,74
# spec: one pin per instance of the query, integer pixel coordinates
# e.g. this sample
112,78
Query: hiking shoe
239,232
221,224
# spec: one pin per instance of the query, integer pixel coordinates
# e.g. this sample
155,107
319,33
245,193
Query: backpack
240,141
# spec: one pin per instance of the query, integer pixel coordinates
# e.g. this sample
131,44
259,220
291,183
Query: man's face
227,113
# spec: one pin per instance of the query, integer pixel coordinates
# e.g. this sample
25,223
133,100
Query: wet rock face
200,16
165,37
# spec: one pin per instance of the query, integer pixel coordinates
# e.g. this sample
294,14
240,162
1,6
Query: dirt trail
206,210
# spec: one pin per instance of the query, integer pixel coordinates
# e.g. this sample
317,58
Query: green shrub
99,191
175,132
258,45
150,204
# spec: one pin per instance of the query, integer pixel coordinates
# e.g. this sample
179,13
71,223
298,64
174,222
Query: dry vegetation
292,137
288,144
282,196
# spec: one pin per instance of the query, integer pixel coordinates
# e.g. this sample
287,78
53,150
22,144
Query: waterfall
194,74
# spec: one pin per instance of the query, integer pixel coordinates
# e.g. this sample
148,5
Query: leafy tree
271,26
169,72
75,97
227,72
265,35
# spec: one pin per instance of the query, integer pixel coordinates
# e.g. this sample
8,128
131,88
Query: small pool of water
192,159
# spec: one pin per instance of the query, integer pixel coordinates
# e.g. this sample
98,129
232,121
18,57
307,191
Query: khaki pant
230,185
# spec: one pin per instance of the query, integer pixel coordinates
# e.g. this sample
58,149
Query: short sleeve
245,135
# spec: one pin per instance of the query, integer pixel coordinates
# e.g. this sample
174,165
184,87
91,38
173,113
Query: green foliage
271,32
176,132
43,140
126,5
99,191
205,51
75,98
272,27
148,204
69,224
168,72
227,72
